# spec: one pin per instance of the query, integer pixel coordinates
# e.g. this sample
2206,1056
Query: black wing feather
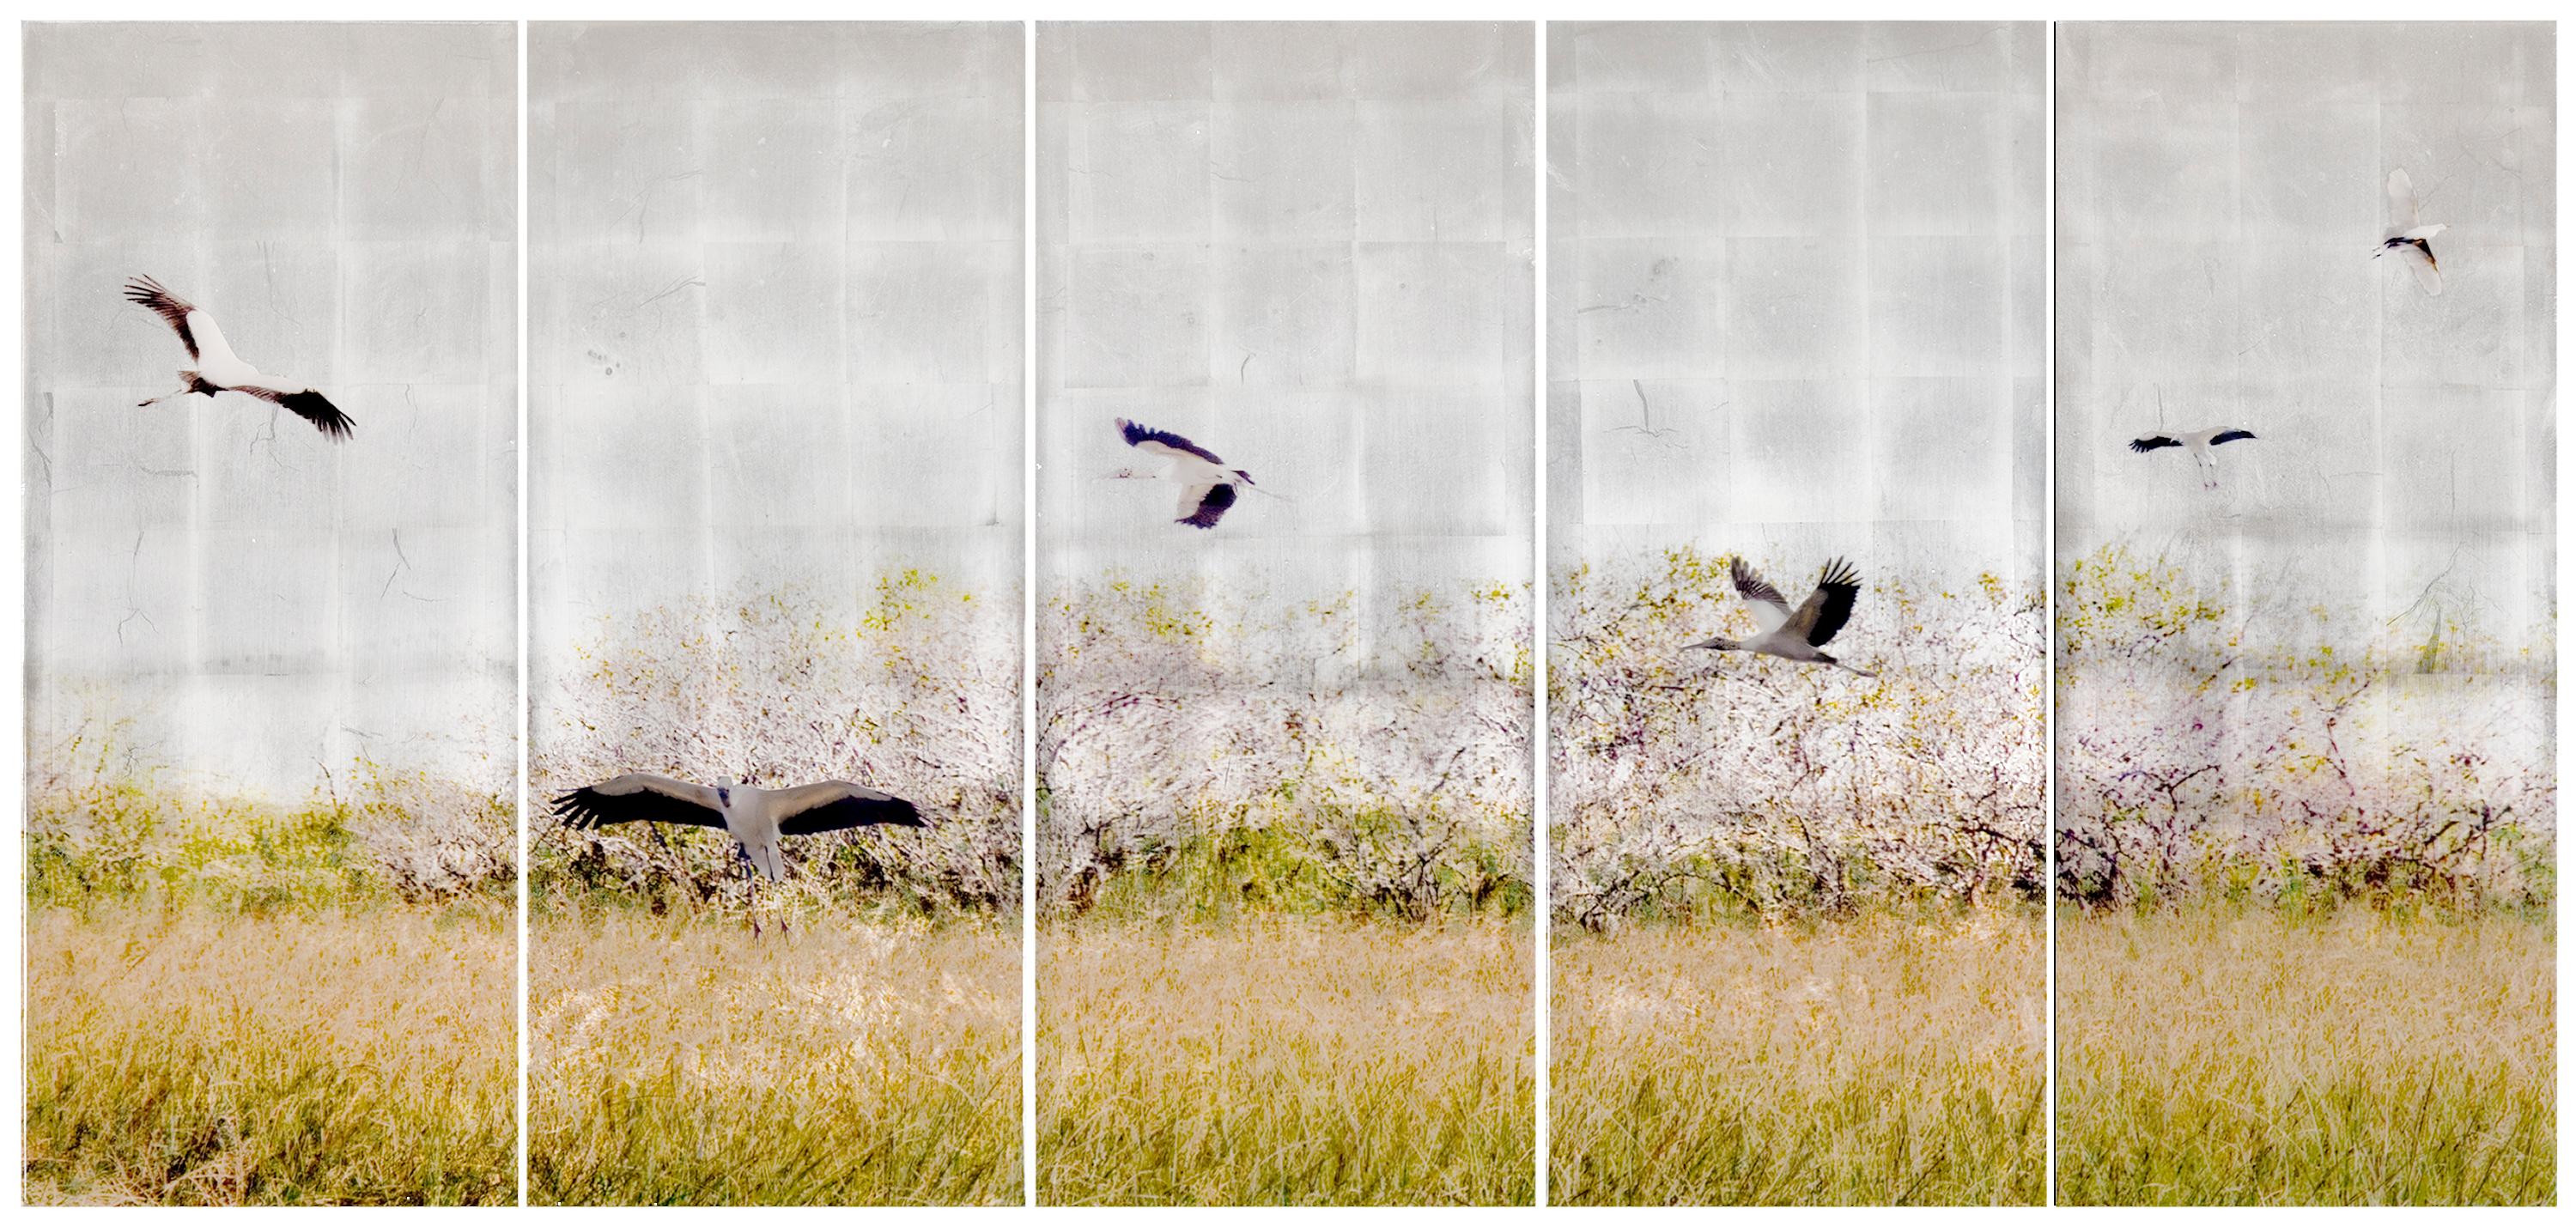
318,409
170,307
585,809
2230,436
1841,586
1144,434
1211,508
2152,442
851,812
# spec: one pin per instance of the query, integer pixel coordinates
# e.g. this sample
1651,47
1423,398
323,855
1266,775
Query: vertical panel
1797,278
1284,867
776,352
2307,801
271,671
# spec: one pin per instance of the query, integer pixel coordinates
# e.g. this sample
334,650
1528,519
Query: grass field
192,1057
2222,1058
1869,1061
1285,1060
679,1060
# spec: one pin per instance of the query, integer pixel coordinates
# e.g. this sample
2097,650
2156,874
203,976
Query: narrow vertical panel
270,665
775,466
1796,363
2307,800
1284,734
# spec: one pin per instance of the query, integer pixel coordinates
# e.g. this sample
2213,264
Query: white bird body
2199,442
1797,635
2408,236
219,369
756,818
1207,485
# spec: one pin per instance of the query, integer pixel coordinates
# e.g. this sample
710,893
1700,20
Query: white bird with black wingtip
2200,442
2408,236
219,369
1794,635
1207,486
757,818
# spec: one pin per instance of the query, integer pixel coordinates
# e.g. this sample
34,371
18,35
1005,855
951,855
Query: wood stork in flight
2408,236
1207,486
220,370
1798,635
2200,442
756,817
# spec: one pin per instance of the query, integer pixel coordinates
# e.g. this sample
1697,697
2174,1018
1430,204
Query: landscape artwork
270,452
775,457
1797,624
1284,707
2306,622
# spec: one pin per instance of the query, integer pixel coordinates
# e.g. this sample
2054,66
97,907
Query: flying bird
1207,486
2200,442
220,370
2408,236
1798,635
756,817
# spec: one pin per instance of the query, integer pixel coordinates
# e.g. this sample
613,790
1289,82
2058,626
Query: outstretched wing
307,404
638,797
838,805
2152,442
2229,436
1829,606
1203,506
196,329
1162,442
1770,609
2401,202
2428,272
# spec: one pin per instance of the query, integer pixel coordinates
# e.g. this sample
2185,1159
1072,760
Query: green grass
1872,1060
2225,1057
187,1057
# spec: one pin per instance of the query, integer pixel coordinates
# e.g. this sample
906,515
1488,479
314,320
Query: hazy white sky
263,604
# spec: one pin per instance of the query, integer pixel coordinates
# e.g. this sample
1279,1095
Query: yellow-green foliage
1287,1060
1870,1061
190,1057
681,1060
2222,1057
121,834
2289,755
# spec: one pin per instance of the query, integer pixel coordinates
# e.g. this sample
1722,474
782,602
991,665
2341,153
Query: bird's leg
146,404
750,888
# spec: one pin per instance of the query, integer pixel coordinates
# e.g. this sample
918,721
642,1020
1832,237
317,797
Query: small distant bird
1799,635
220,370
756,817
1207,486
2200,442
2408,236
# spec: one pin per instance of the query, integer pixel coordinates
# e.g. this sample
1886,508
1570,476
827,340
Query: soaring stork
1800,635
2408,236
755,817
2199,441
220,370
1207,486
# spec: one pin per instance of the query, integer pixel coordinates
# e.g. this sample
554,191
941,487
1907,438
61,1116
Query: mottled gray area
2222,187
1797,282
776,294
1307,247
261,604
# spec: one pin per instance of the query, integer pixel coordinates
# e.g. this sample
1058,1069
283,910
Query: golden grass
192,1057
1285,1060
1864,1062
679,1059
2217,1058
